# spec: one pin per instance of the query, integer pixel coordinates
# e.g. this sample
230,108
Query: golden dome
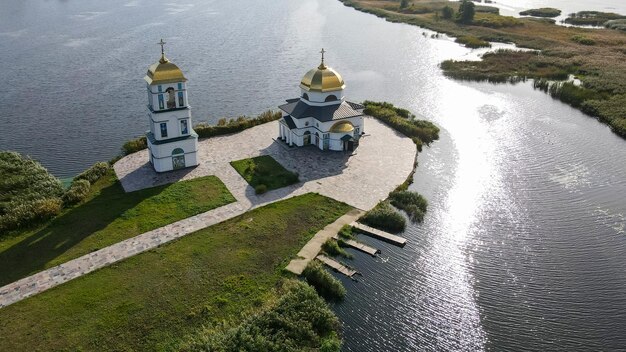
342,127
322,79
164,71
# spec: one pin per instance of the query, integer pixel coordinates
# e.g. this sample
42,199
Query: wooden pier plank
385,236
360,246
335,265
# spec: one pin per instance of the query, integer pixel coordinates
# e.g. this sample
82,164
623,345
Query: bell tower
172,142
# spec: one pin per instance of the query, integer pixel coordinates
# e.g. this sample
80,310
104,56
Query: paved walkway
314,246
383,160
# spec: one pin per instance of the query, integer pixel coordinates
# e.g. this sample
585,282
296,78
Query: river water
524,245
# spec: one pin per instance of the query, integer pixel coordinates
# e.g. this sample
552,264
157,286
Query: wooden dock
382,235
360,246
335,265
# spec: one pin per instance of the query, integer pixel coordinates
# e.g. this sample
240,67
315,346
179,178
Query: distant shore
596,56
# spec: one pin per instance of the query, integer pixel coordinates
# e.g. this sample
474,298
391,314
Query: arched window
331,98
171,98
305,96
178,151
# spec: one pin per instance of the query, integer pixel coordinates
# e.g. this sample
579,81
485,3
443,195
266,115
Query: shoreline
592,55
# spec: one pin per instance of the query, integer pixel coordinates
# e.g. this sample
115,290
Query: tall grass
384,217
411,202
333,248
472,42
324,283
299,320
28,192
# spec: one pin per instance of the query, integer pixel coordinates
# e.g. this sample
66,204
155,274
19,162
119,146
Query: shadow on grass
34,252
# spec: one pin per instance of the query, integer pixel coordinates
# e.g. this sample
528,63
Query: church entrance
178,159
317,139
348,143
307,138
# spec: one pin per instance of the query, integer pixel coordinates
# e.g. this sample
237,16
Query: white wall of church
161,154
165,150
319,98
297,135
172,120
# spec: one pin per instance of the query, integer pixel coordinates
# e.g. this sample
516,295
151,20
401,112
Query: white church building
321,116
172,142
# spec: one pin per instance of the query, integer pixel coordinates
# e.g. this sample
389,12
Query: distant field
109,215
152,300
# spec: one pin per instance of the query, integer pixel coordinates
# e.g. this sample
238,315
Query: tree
404,4
466,12
447,12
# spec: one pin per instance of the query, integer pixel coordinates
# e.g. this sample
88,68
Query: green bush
466,12
496,21
542,12
77,192
592,18
94,173
298,321
411,202
616,24
447,12
472,42
581,39
324,283
235,125
331,344
134,145
260,189
332,248
28,192
30,212
384,217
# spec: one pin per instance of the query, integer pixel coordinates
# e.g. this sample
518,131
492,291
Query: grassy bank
107,216
150,301
542,12
563,50
420,131
298,319
264,173
28,192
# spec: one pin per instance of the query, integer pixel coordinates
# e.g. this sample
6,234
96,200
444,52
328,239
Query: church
172,142
321,116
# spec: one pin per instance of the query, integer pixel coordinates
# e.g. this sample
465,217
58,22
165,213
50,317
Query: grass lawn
150,301
109,215
264,170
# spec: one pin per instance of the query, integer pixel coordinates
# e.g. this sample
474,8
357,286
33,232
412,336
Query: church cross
322,52
162,43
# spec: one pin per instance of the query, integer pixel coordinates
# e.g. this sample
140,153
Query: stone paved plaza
383,160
